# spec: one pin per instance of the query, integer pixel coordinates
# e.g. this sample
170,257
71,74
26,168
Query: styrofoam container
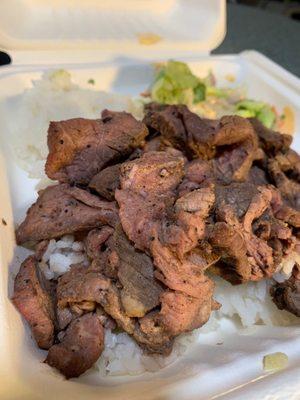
207,371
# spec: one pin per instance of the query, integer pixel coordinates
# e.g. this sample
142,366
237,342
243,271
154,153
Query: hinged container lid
114,26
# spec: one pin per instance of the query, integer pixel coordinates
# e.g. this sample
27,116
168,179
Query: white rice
56,97
60,255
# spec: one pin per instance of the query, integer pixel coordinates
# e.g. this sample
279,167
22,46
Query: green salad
174,83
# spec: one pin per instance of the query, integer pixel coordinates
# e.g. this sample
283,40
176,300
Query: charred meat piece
80,347
62,209
286,295
290,189
156,143
140,291
270,141
81,285
179,275
147,189
234,162
185,129
33,300
230,140
151,334
107,181
183,313
289,163
96,239
198,173
282,210
244,256
79,148
258,176
185,226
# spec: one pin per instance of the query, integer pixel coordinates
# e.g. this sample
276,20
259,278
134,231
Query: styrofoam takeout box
119,64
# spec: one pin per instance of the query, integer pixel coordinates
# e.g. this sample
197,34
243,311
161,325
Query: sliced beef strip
185,129
62,209
80,347
257,176
283,211
244,256
33,300
182,313
197,174
270,141
234,162
286,295
96,239
151,334
147,190
289,163
107,181
167,120
140,291
156,143
82,284
179,275
79,148
179,313
290,189
186,227
230,140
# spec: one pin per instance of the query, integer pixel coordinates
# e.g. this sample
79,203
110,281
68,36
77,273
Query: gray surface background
276,36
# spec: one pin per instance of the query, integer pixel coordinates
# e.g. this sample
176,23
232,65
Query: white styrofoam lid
112,25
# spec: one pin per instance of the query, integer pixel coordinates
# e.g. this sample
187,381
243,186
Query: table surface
276,36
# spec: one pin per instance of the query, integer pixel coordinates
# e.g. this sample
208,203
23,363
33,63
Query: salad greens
175,83
257,109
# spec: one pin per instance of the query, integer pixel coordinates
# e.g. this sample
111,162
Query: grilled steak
140,291
155,212
270,141
32,298
147,188
245,255
290,189
286,295
107,181
79,148
80,347
231,140
62,209
96,239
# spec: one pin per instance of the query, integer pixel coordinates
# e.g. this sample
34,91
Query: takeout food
160,206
